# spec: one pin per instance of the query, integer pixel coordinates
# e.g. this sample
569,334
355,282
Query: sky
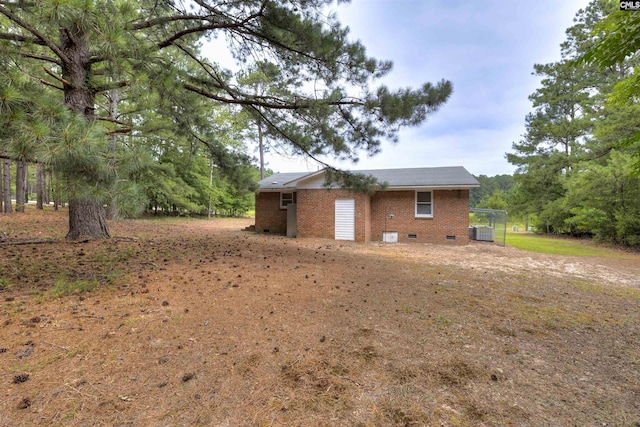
486,48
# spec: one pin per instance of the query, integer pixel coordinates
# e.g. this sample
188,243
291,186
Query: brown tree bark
26,183
261,147
56,191
6,174
40,186
47,186
114,98
82,225
1,193
21,171
86,217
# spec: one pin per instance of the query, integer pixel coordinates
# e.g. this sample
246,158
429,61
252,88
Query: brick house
428,205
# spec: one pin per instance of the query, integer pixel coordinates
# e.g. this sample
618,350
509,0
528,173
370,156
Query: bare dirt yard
197,323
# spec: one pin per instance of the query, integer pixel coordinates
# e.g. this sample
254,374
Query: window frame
288,201
430,203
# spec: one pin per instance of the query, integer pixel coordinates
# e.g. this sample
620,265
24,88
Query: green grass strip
560,246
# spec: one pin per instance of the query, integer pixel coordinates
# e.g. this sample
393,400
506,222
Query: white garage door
345,219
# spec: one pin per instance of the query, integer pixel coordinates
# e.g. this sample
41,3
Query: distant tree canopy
576,160
616,43
113,95
489,186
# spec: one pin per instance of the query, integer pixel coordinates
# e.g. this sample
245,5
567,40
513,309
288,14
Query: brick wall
367,219
316,213
450,216
269,215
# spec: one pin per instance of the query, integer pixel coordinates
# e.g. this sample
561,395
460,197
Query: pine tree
558,131
83,50
617,44
21,178
6,180
575,161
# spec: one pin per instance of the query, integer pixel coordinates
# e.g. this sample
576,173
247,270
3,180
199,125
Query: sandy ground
176,322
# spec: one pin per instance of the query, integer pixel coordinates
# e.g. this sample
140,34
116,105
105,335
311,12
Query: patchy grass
5,285
623,293
64,287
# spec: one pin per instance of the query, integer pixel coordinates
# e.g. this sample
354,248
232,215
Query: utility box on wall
390,236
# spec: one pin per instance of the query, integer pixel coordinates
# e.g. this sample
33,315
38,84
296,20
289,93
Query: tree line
198,189
41,185
578,162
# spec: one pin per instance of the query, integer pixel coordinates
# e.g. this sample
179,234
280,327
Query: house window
287,199
424,204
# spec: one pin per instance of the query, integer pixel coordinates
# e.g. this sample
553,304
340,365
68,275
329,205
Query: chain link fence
488,225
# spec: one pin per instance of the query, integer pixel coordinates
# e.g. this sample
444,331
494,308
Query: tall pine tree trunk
40,186
82,225
25,174
86,216
261,148
114,98
47,186
20,187
1,193
56,192
6,175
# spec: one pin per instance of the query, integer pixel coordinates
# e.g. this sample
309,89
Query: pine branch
117,131
289,138
597,155
28,242
60,79
110,86
180,34
253,106
43,40
19,38
19,3
211,72
257,36
18,159
43,81
46,83
193,134
249,100
164,20
225,22
42,58
95,58
216,12
112,120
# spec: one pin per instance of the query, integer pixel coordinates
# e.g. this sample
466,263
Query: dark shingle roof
440,176
408,177
277,180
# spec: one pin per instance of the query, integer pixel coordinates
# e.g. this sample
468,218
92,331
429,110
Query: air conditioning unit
484,233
